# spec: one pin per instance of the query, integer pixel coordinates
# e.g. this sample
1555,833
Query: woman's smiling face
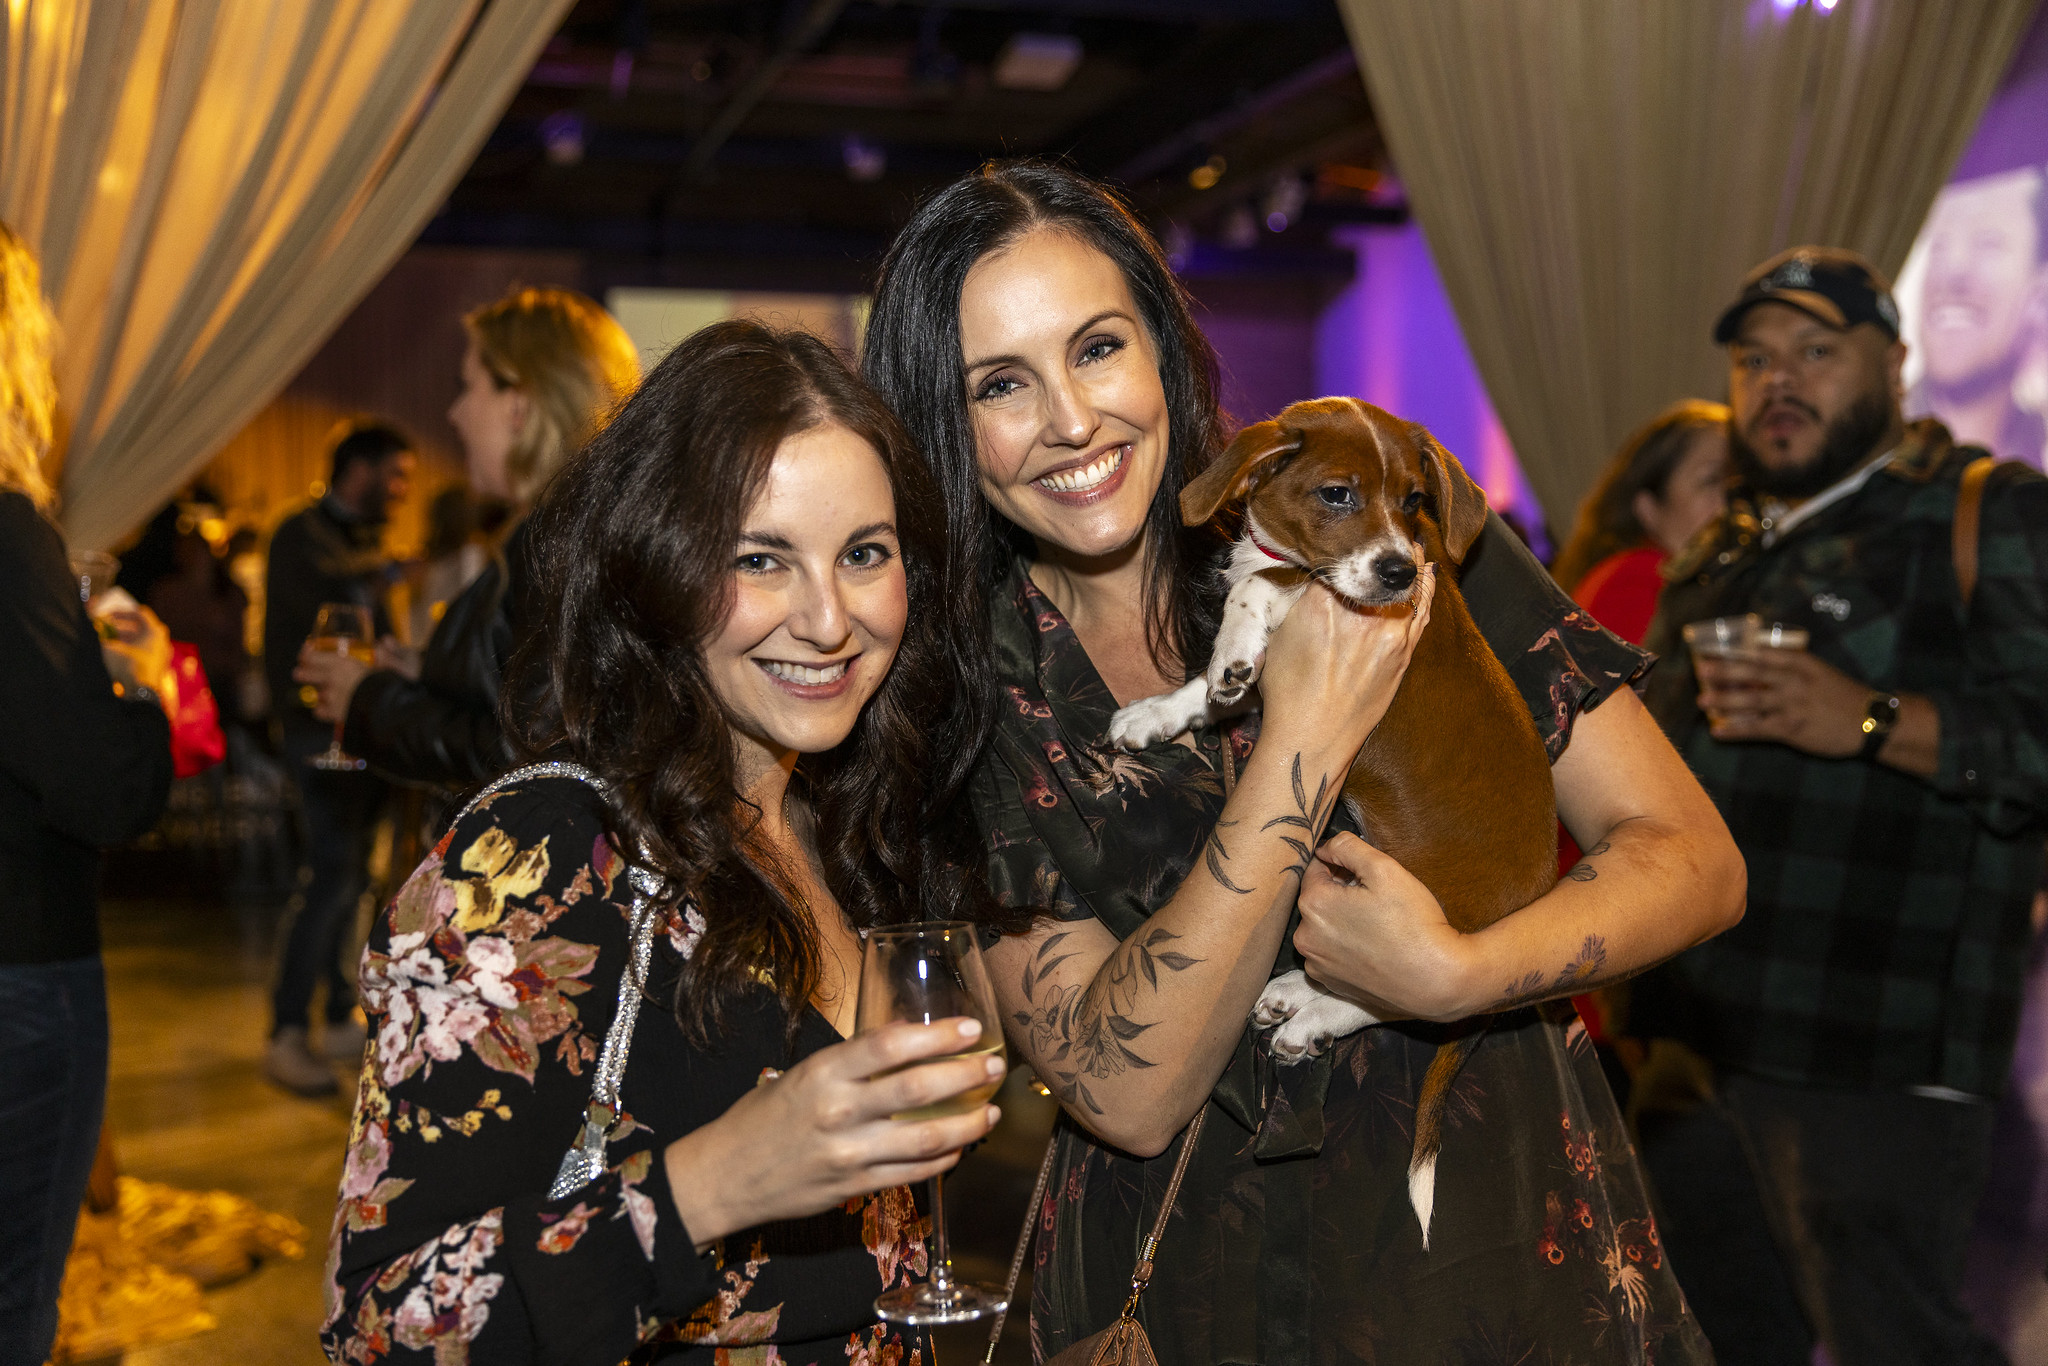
1070,417
819,598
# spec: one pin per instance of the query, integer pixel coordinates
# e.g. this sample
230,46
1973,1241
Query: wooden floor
188,1105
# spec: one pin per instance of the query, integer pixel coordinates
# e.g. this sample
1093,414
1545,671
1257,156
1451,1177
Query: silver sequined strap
553,768
584,1162
611,1063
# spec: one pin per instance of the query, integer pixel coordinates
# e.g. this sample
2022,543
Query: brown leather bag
1123,1343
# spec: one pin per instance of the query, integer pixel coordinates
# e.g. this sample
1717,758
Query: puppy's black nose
1395,574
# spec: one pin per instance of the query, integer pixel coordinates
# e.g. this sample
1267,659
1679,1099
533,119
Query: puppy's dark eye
1412,501
1337,495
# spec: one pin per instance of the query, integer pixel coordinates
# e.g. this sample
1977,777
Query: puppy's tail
1429,1121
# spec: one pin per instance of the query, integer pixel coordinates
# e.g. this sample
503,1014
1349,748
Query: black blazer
79,767
444,729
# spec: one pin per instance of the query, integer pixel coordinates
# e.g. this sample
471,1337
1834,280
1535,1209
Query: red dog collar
1267,550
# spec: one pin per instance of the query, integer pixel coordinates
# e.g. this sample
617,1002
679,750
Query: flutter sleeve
1022,872
1561,660
490,981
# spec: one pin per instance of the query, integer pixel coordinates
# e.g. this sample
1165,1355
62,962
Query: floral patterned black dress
490,981
1294,1244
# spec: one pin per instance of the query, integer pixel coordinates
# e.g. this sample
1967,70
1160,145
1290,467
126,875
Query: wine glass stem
942,1260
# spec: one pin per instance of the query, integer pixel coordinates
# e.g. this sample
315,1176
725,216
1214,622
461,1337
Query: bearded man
1888,787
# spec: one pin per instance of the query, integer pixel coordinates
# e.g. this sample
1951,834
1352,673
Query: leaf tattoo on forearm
1214,855
1309,818
1084,1031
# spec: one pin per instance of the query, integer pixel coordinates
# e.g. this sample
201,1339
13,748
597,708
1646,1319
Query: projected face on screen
1983,271
1978,323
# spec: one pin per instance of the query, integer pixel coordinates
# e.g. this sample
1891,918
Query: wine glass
922,973
95,571
343,628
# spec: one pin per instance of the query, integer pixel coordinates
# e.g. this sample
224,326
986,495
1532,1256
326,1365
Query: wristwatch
1878,719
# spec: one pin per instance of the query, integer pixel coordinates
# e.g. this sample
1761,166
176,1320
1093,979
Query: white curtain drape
1594,176
212,184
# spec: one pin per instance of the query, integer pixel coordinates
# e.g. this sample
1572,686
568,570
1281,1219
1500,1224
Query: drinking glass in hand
342,628
922,973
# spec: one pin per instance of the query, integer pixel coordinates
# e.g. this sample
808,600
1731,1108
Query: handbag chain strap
584,1162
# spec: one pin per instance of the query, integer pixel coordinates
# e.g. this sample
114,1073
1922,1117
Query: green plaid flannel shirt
1886,936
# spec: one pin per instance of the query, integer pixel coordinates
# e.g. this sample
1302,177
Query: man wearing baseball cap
1888,786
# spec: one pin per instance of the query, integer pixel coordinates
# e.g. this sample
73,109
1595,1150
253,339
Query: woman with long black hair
737,690
1029,331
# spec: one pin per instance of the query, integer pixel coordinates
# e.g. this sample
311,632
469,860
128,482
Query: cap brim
1816,306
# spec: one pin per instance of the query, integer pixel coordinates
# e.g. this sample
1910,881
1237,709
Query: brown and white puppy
1454,782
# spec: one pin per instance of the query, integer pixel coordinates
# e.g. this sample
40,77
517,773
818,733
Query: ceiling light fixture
1037,61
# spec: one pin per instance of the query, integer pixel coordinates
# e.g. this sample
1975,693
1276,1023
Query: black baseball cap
1838,287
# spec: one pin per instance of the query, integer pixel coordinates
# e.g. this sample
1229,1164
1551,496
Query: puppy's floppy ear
1237,471
1460,504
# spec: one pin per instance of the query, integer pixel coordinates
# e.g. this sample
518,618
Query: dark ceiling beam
818,17
1199,136
1163,11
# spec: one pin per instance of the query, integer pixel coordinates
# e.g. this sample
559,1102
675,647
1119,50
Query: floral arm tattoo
1084,1032
1575,975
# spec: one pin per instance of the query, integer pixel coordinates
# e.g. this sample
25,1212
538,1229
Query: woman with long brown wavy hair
739,689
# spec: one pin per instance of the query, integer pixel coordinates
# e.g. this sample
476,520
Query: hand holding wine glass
922,973
825,1131
342,628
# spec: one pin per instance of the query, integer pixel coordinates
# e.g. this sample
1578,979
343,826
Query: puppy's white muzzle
1381,572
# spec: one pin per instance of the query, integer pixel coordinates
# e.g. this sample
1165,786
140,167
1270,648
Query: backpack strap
1969,517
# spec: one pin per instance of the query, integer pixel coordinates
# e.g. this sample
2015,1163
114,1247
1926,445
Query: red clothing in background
1621,593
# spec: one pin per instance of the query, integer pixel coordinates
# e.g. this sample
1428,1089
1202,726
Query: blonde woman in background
81,767
542,373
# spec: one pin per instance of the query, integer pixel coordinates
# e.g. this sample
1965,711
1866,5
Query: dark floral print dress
1295,1243
490,981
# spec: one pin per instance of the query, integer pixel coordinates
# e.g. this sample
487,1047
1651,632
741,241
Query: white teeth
800,673
1088,476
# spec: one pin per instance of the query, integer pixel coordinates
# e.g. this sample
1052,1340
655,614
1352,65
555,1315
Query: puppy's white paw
1229,680
1239,655
1150,720
1316,1026
1284,995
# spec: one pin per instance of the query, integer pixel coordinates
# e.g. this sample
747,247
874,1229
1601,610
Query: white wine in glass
342,628
921,973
